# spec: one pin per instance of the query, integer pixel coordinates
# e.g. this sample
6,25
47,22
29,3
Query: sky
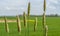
17,7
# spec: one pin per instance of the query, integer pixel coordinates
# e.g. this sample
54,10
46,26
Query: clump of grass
18,24
6,24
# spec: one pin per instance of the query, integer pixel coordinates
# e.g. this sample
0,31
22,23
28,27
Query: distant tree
56,15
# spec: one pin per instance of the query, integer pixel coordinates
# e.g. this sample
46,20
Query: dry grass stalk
44,5
18,24
28,16
25,19
44,20
45,28
35,25
28,8
6,25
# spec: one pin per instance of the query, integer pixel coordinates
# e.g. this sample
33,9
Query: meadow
52,22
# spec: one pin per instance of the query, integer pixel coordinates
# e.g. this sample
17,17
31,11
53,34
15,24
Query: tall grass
6,24
45,28
25,19
18,24
28,16
35,24
28,8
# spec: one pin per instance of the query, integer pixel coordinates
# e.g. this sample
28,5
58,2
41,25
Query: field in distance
52,22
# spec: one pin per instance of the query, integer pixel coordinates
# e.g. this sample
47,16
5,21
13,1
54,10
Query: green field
52,22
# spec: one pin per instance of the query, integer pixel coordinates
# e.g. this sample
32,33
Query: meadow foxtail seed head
28,8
